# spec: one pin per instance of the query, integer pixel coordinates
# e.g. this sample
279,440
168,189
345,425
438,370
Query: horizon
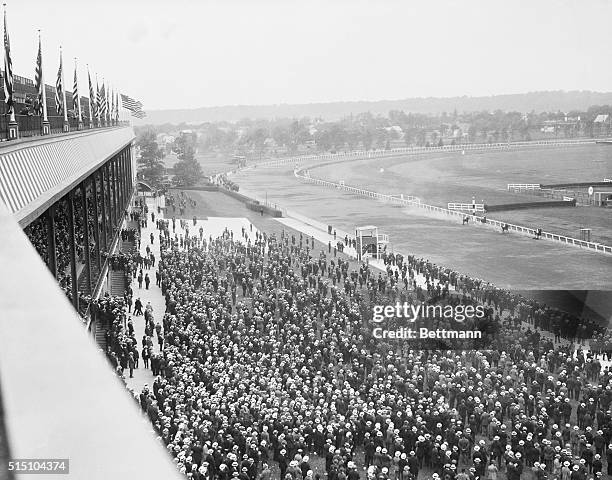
214,54
493,95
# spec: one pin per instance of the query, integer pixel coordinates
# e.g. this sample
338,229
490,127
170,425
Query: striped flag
92,98
75,92
38,78
103,102
59,88
116,106
106,104
98,100
133,106
8,70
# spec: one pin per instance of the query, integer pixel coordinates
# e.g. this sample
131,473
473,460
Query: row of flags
104,102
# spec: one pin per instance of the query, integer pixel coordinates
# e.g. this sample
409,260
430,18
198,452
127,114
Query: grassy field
439,179
510,261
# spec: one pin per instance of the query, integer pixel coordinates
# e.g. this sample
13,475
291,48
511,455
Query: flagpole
76,84
66,124
101,105
91,100
99,121
110,110
105,102
46,128
107,110
13,128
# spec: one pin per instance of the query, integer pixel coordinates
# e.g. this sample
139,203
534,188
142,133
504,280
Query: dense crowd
179,203
267,362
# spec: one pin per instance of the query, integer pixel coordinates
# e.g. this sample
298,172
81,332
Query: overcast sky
196,53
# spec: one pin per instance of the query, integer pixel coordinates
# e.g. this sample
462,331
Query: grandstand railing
597,247
31,125
524,186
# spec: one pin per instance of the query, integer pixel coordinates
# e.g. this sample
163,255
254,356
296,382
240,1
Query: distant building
601,118
397,129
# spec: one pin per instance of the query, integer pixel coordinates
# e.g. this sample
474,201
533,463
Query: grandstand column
126,173
72,246
125,181
122,177
86,234
96,232
103,210
119,182
128,152
110,206
126,193
115,197
125,177
51,247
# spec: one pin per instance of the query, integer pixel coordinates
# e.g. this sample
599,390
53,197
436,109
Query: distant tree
188,171
281,135
367,138
150,162
471,133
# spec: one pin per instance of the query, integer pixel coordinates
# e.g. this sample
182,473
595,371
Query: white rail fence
524,186
414,201
363,154
472,207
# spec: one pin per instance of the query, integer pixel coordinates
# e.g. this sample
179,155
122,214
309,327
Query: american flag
98,99
103,104
116,106
75,92
133,106
92,98
8,70
59,88
38,77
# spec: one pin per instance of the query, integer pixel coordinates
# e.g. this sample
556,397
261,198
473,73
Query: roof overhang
36,173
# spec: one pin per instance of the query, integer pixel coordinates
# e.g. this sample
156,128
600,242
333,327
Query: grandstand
67,192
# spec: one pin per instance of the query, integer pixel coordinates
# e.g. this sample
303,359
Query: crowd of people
37,233
267,368
180,202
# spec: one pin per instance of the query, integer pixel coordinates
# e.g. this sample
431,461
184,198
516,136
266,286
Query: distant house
397,129
270,142
601,118
601,124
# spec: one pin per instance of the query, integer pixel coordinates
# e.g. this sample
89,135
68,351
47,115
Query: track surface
509,261
452,177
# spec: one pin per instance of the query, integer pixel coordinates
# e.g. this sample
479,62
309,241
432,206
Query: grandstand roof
35,173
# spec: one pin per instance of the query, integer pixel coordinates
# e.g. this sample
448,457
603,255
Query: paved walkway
213,226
